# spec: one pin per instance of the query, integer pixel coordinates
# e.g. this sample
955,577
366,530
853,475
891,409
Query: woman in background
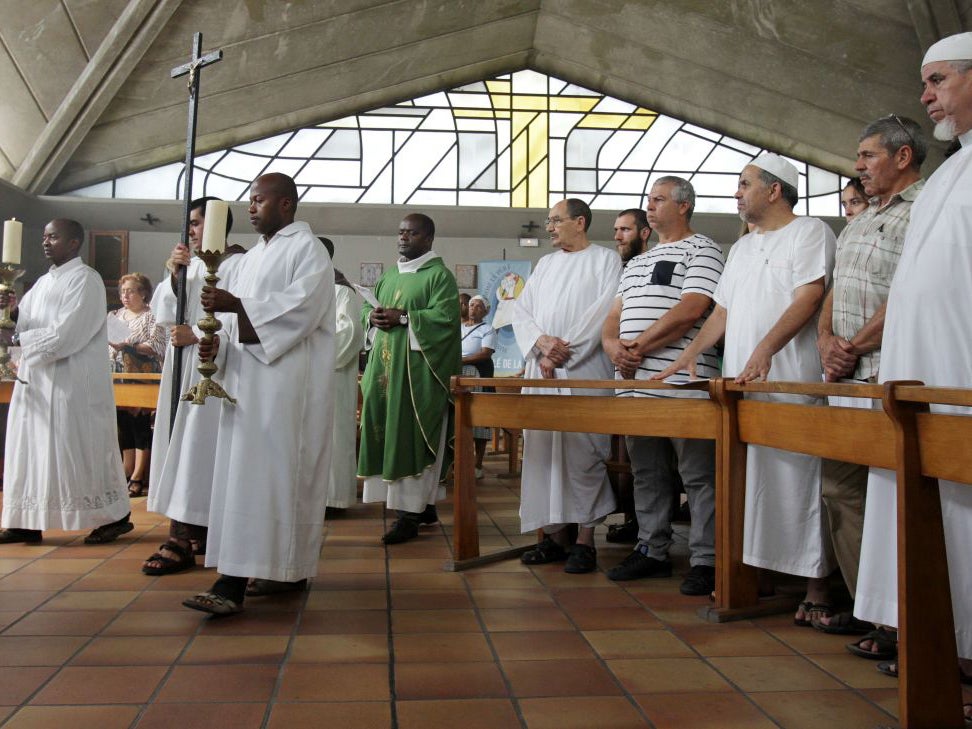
478,345
142,351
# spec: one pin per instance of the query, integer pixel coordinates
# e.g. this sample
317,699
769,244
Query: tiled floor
386,638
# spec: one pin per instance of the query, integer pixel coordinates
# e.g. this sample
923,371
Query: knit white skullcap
956,47
776,165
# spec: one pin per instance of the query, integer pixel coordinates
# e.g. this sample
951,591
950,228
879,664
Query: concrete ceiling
87,93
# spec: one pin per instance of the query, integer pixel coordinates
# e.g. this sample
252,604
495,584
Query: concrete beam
123,47
934,20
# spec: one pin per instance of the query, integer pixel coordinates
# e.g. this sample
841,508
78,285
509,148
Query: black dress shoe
20,536
428,517
402,530
699,581
637,565
626,533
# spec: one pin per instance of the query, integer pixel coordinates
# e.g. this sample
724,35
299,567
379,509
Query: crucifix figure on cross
192,68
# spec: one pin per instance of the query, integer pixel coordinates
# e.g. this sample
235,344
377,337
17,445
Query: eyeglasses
558,221
900,123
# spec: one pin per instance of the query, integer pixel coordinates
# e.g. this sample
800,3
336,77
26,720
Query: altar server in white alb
273,448
766,306
181,475
928,337
342,491
557,322
62,468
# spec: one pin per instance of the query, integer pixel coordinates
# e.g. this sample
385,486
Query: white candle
214,231
13,233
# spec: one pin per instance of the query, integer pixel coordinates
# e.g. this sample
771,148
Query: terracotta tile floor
385,638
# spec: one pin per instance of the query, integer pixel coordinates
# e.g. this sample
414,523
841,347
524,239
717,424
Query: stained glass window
519,140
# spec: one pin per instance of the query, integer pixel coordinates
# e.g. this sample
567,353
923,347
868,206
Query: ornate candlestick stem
8,275
207,387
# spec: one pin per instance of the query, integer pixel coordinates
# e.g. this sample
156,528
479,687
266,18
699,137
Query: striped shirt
867,256
652,283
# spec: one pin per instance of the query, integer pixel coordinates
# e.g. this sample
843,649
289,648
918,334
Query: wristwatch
15,339
403,319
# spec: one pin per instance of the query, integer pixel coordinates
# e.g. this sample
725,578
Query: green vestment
405,390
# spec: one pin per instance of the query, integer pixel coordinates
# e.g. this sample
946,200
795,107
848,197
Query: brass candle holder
207,387
8,275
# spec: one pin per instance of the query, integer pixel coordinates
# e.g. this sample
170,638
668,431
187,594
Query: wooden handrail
903,436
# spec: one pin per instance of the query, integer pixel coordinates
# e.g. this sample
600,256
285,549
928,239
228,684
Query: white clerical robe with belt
62,468
927,337
568,295
181,473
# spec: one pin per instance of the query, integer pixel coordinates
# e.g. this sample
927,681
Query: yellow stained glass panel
518,160
639,122
572,103
522,102
499,86
603,121
537,132
538,186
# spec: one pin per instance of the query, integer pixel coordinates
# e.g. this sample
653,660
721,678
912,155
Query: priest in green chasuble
406,419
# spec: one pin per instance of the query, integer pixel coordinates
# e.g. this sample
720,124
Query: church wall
362,233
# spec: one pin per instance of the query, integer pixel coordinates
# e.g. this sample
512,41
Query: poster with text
500,283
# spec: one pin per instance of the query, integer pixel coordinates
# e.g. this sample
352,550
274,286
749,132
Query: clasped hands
625,354
837,357
386,319
555,353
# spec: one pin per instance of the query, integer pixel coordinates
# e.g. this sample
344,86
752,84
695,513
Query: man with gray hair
662,302
927,336
889,156
766,302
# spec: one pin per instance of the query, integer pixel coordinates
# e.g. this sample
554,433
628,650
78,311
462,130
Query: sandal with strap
210,602
885,642
806,606
545,552
135,491
168,565
843,624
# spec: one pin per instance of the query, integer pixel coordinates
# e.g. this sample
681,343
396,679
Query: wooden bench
904,436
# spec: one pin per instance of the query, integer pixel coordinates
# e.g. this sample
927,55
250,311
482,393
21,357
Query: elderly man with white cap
928,337
766,305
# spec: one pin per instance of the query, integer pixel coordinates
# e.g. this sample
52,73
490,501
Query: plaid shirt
867,256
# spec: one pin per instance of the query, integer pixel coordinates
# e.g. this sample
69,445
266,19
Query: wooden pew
685,418
135,391
905,437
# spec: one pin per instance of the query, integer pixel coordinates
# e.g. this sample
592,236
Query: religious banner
500,283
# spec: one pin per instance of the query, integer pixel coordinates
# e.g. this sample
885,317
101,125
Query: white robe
342,490
785,523
181,473
568,295
927,337
62,467
273,451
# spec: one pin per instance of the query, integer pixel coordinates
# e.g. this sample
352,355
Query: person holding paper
557,322
406,428
62,468
135,344
663,300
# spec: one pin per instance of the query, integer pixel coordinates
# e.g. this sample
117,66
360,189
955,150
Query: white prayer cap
956,47
477,297
776,165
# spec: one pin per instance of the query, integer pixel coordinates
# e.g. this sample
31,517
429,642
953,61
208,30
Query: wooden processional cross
192,68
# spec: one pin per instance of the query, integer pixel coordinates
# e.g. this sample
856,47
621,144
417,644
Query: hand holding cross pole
192,68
